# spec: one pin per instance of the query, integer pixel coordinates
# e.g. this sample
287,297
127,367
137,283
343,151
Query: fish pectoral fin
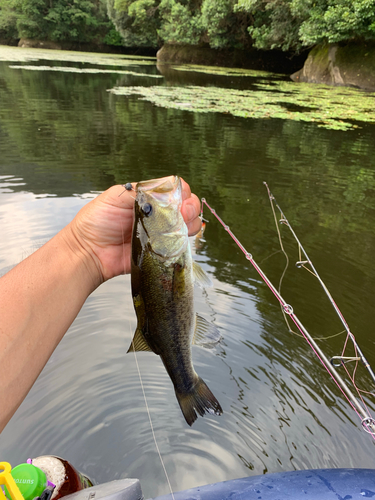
205,334
200,276
139,342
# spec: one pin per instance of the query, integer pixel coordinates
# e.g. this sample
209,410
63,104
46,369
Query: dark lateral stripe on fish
199,400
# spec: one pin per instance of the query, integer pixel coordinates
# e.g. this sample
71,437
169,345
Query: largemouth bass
162,276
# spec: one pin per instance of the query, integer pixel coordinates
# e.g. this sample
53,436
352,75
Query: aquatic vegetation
215,70
338,108
70,69
20,54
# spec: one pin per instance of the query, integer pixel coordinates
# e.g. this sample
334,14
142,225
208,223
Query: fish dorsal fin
200,276
206,334
139,342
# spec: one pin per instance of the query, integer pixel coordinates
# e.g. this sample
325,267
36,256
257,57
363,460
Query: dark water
63,139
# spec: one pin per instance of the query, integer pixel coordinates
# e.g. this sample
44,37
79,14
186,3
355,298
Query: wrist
82,254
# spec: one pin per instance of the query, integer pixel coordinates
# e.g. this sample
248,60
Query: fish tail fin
199,400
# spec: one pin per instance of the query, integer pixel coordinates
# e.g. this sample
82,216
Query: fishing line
141,381
269,256
285,268
358,354
150,420
301,263
351,377
367,420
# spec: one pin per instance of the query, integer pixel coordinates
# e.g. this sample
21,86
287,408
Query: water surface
63,139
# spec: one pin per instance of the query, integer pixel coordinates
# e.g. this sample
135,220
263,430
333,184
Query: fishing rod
341,359
367,420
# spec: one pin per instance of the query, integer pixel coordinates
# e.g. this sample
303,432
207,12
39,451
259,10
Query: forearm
39,300
40,297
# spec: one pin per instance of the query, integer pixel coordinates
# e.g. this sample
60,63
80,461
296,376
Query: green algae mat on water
266,95
20,54
214,70
338,108
69,69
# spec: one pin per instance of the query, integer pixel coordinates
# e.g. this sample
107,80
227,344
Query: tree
30,18
180,23
225,26
154,22
8,21
293,24
339,20
289,25
78,21
137,22
215,18
275,23
57,20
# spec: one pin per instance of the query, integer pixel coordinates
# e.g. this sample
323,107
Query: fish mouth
165,190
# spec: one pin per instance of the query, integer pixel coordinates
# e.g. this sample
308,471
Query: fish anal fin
200,276
139,342
205,334
198,401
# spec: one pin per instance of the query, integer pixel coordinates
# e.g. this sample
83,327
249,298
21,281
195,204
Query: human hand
103,229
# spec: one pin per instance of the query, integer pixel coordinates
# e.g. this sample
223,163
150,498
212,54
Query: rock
9,41
38,44
267,60
351,65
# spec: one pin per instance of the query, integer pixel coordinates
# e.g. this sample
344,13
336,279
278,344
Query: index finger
186,191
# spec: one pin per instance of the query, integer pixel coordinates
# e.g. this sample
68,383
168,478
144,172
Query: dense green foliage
276,23
268,24
8,20
289,25
339,21
57,20
137,22
154,22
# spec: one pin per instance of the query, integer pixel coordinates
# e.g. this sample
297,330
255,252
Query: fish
163,275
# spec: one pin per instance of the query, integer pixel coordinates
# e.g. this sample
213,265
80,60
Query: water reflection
63,138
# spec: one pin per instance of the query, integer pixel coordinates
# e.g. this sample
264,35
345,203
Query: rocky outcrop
350,65
9,41
268,60
38,44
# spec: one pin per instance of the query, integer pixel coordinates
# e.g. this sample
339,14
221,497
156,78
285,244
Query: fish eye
147,209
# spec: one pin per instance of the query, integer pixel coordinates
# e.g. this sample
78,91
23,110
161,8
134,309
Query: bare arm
41,296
